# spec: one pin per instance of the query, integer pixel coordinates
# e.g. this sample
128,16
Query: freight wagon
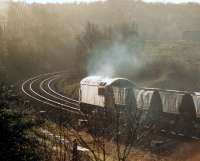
169,102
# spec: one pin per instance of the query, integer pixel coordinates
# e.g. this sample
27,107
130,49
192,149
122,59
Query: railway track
39,88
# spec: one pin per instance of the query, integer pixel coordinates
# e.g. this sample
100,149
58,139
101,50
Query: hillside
170,65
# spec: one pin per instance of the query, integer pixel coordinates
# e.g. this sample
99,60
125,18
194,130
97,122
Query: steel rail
51,89
54,96
47,101
33,97
50,100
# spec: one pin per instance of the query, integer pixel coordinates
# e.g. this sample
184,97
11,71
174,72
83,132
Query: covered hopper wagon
169,102
149,100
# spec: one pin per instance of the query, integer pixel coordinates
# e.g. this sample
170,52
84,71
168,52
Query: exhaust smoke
120,57
4,4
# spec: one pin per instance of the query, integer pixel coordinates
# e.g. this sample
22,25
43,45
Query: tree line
40,38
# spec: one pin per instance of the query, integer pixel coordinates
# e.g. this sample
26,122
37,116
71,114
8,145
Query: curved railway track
39,88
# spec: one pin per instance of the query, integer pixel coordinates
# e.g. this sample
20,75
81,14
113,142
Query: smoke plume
4,4
119,58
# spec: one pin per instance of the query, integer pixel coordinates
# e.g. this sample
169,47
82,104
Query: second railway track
39,88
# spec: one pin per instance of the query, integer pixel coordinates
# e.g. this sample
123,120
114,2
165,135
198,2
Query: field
170,65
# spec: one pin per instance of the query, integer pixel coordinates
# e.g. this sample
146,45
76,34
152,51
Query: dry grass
183,152
186,152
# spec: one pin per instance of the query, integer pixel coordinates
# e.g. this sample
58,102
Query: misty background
155,45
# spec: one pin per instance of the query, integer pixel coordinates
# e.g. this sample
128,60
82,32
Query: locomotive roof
103,81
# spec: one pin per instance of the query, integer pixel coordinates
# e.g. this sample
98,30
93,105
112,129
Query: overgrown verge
70,89
17,140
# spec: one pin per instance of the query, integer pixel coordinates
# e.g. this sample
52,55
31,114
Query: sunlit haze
88,1
173,1
59,1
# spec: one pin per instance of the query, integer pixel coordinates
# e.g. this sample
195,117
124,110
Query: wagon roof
102,81
164,90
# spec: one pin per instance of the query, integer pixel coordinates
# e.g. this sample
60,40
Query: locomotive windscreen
120,95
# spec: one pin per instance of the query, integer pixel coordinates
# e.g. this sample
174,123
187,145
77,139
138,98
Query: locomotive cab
100,93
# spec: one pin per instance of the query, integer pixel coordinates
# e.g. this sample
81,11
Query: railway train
101,93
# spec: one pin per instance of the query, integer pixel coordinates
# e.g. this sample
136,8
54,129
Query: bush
17,142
